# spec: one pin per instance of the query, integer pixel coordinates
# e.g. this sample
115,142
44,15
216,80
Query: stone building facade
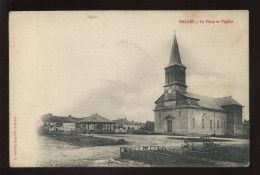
180,112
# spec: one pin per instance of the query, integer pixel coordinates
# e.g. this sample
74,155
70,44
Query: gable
160,99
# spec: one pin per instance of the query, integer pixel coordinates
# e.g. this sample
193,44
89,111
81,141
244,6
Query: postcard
129,88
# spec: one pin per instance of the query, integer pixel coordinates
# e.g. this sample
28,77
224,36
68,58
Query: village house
55,123
180,112
124,125
92,124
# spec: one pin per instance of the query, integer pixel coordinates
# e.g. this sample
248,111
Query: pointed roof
96,119
175,58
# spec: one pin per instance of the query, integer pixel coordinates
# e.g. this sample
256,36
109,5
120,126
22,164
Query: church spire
175,58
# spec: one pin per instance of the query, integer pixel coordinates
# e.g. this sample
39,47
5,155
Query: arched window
203,124
210,125
217,124
168,79
193,123
179,113
160,116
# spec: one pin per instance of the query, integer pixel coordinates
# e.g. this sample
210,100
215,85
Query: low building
124,125
95,123
92,124
56,123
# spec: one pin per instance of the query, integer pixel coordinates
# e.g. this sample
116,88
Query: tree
148,126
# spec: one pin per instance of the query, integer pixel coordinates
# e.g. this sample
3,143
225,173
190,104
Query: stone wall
208,115
183,123
179,123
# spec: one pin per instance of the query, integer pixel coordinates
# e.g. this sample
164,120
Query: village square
187,129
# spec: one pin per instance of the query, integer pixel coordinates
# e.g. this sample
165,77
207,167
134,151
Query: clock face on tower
170,91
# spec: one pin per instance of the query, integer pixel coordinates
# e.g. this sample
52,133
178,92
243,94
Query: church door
169,125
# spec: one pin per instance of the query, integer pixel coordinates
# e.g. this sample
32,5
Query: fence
161,155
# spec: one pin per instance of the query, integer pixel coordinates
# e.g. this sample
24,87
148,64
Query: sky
112,63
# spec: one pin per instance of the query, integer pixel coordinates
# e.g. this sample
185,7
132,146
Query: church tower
175,76
180,112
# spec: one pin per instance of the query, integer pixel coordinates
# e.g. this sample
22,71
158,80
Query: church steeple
175,76
175,58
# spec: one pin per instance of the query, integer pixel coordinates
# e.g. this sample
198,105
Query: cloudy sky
112,63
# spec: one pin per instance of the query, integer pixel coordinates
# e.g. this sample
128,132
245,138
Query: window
210,125
181,78
224,125
104,126
217,124
179,113
160,116
168,78
172,77
193,123
203,124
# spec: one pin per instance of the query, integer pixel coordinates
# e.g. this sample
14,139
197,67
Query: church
178,111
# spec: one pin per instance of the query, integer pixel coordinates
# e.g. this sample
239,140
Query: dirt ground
79,141
57,153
